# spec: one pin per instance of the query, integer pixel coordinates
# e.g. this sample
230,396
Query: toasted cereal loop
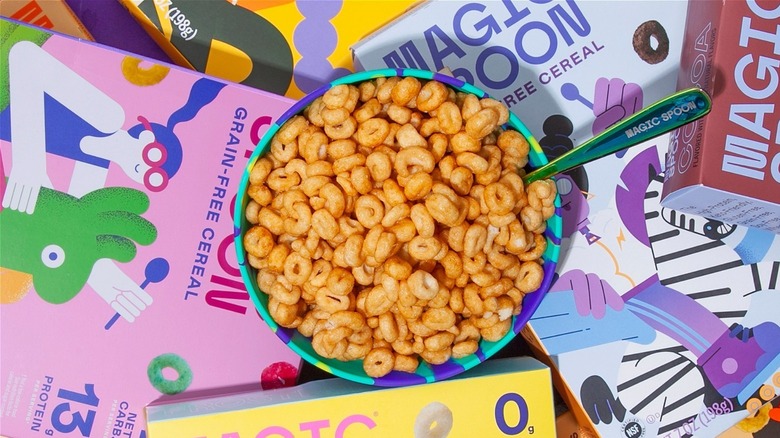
389,224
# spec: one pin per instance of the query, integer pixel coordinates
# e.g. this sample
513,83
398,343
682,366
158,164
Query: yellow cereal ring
135,74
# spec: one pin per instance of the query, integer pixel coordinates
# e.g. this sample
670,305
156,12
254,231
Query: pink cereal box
117,266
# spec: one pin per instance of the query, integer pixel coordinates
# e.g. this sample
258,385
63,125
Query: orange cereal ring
258,241
353,254
432,94
418,186
343,130
405,90
499,198
385,88
395,214
369,109
399,114
424,248
379,165
372,132
137,75
330,302
474,240
441,319
482,123
530,277
423,285
407,136
369,210
379,362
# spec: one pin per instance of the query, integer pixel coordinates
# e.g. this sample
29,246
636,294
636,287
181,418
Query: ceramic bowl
353,370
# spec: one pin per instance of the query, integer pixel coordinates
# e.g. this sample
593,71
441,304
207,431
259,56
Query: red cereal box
727,165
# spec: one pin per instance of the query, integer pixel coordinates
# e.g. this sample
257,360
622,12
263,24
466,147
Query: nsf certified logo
632,428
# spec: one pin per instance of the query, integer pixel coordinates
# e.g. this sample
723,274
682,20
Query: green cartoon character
64,242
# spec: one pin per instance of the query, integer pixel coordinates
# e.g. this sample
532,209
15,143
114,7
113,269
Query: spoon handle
663,116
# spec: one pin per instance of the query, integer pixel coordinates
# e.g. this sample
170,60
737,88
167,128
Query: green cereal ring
169,360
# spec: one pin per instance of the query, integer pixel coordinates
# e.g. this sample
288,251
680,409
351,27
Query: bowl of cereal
384,232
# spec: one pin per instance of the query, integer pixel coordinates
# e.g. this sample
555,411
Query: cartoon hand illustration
600,403
592,295
23,187
613,101
61,241
126,297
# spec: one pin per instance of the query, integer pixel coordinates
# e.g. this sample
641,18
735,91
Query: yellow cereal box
283,46
499,398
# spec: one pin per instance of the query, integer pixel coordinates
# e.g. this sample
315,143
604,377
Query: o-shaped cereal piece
405,90
503,111
482,123
432,94
423,221
334,116
443,209
290,129
433,421
324,224
373,132
330,302
423,285
369,109
475,239
175,362
340,281
258,241
398,268
407,136
343,130
449,117
297,269
530,277
369,210
441,318
379,362
132,71
499,198
379,165
336,97
424,248
395,214
418,186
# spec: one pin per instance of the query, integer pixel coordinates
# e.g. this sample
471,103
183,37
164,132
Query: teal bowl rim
353,370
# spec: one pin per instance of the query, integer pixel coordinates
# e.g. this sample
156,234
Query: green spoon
667,114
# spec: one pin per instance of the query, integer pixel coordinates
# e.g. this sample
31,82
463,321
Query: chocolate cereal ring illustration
135,74
433,421
169,360
643,42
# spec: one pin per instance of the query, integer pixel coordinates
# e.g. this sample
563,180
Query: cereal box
50,14
118,272
500,398
568,69
109,24
285,46
660,323
727,165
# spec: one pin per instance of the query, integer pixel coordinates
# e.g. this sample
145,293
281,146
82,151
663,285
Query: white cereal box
568,69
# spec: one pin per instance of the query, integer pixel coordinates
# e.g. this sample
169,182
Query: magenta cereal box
568,68
117,267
